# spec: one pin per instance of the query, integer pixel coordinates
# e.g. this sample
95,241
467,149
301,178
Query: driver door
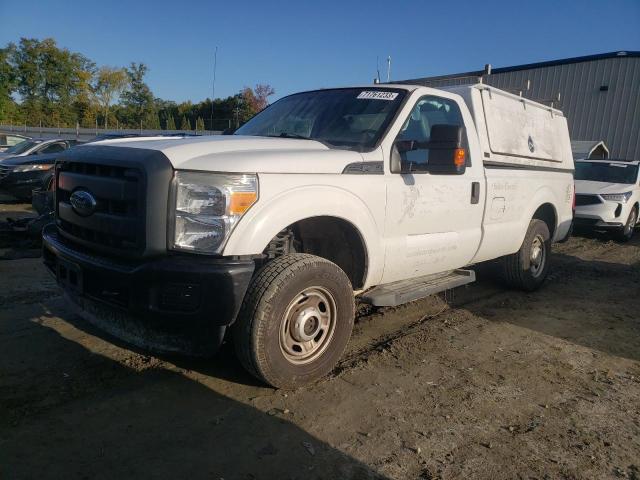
433,221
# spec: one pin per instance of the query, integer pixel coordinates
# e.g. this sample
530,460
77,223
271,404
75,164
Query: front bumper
21,184
181,303
602,215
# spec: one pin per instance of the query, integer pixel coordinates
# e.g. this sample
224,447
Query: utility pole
213,88
388,68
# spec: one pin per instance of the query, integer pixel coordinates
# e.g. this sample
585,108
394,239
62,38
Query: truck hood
594,188
242,154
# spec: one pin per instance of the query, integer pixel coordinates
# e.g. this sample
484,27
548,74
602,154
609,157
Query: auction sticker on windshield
373,95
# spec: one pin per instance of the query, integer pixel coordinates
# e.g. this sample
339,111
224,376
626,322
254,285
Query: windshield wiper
290,135
326,143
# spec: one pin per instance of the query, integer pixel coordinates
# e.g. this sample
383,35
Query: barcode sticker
378,95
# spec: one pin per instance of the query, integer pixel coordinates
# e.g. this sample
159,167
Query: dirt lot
480,383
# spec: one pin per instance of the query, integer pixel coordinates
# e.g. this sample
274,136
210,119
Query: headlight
33,166
206,208
617,197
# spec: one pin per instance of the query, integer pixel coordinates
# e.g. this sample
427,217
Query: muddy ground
480,383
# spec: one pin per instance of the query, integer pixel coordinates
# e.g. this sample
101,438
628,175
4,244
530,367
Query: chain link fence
87,133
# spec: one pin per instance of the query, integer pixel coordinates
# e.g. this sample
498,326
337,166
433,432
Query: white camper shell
514,130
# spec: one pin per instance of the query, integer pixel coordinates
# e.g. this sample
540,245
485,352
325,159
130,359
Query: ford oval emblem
83,203
532,147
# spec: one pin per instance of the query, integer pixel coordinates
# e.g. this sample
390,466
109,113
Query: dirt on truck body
479,383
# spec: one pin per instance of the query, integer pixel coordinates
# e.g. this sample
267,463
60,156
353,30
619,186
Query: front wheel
295,321
626,233
528,267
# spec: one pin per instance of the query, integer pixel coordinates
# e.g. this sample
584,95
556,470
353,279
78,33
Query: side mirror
446,152
399,147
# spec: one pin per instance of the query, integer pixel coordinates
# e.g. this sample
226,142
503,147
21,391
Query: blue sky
297,45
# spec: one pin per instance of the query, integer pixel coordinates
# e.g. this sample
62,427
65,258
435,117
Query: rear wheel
528,267
295,321
626,233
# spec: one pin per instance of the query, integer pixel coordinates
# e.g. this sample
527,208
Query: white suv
608,195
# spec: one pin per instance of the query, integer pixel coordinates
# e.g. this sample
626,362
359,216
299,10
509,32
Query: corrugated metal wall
612,115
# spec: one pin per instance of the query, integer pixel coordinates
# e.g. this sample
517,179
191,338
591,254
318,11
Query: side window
53,148
13,140
427,112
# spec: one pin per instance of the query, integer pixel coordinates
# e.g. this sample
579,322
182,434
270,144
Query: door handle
475,193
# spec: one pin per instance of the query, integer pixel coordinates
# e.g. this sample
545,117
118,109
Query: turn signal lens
241,201
459,157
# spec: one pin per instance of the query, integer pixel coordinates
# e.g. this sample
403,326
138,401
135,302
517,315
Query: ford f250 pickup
382,193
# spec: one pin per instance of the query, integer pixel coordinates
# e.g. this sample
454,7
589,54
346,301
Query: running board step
397,293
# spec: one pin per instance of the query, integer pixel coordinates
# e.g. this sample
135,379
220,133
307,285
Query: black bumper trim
186,301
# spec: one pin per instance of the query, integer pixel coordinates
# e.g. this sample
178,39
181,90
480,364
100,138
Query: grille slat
5,171
583,199
117,224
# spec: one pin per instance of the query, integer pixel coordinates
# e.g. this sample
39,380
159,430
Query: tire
295,321
626,233
521,270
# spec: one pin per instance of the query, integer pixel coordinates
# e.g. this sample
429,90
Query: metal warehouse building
599,94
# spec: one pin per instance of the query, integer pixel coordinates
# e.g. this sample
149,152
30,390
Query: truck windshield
606,172
347,118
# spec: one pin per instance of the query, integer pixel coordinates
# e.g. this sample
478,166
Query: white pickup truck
383,193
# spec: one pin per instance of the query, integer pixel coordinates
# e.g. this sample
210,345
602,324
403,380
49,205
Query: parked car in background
112,136
37,146
31,167
8,140
608,196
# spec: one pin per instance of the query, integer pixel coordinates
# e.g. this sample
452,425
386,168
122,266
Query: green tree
7,83
137,99
152,121
200,124
171,123
185,124
49,79
108,84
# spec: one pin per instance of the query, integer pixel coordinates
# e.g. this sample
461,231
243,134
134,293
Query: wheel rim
308,325
538,255
631,223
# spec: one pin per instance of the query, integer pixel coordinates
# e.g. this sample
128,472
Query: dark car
21,174
113,136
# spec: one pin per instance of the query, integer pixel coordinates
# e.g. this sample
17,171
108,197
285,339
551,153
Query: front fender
275,211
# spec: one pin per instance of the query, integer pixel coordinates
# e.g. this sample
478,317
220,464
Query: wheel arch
548,214
292,209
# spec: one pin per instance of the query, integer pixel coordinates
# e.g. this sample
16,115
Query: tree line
43,84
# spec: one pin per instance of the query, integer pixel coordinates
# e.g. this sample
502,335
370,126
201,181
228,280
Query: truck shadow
590,303
73,411
222,365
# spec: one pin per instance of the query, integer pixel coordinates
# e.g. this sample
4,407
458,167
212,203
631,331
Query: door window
427,112
13,140
53,148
